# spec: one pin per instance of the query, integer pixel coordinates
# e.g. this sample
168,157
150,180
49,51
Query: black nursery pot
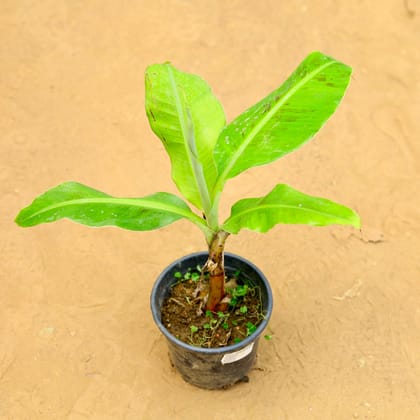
215,367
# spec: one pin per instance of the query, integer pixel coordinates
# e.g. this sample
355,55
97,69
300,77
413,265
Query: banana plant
205,152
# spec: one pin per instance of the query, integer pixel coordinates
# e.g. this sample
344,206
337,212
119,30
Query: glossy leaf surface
287,205
91,207
188,118
284,120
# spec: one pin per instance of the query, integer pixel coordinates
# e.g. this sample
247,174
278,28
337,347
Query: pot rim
220,350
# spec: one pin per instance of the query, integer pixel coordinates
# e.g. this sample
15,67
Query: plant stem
215,268
213,214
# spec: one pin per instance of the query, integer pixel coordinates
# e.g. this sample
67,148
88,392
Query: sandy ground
77,339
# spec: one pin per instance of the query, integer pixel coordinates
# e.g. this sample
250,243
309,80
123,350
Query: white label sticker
237,355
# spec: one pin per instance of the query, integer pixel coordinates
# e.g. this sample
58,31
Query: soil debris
183,314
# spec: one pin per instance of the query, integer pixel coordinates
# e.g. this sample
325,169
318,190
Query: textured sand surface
77,339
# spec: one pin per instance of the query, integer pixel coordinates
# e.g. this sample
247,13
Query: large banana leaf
91,207
188,118
286,205
284,120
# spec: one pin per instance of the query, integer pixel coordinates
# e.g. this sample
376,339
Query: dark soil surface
184,315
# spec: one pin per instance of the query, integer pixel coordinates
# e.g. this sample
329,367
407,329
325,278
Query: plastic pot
215,367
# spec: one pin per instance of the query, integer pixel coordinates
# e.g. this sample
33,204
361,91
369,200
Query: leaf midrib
195,164
248,139
286,206
136,202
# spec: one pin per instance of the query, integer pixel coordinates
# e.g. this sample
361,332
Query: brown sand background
77,339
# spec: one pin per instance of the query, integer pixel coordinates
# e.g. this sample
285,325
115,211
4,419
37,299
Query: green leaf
91,207
284,120
286,205
188,118
250,328
240,291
